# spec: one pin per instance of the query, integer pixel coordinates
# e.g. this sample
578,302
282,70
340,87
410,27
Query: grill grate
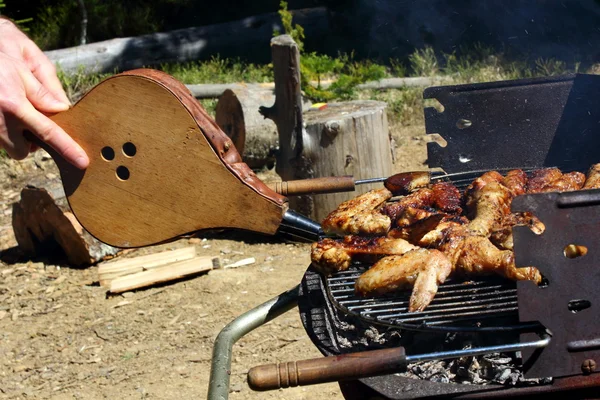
489,304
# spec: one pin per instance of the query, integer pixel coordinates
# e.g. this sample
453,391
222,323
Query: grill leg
220,372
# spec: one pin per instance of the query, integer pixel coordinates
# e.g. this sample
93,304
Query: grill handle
327,369
331,184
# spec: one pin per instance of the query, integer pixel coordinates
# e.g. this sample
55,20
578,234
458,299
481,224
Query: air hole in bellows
574,251
123,173
579,305
129,149
108,153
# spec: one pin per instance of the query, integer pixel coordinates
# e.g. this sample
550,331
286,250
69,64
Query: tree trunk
347,138
287,110
43,225
231,39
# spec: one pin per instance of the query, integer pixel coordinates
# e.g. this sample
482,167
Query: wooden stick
241,263
161,274
328,184
115,269
327,369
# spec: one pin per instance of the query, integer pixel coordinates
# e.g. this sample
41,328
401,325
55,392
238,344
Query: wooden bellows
159,166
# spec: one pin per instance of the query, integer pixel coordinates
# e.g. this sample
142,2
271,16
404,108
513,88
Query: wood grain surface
159,166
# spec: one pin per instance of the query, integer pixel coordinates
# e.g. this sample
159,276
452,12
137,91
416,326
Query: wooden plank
162,274
241,263
113,269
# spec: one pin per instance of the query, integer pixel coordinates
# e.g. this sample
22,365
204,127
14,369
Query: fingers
14,143
45,72
40,96
44,128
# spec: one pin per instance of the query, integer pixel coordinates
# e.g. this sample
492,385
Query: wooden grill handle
332,184
327,369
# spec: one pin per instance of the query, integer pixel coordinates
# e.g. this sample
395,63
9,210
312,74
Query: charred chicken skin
360,216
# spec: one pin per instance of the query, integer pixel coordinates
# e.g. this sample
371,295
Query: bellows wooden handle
327,369
332,184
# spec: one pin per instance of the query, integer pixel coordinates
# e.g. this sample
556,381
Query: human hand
29,89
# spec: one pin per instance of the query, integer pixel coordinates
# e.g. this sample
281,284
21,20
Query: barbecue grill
550,332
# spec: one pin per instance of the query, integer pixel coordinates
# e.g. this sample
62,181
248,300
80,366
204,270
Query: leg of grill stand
220,373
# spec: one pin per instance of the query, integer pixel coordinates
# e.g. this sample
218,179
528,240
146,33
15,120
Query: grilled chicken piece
468,254
422,198
411,215
553,180
427,232
473,255
333,255
421,269
488,202
515,181
360,215
502,235
407,182
446,198
592,180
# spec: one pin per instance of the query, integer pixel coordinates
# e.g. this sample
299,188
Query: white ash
495,368
363,336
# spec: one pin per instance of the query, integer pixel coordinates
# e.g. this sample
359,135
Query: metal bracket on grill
565,254
516,123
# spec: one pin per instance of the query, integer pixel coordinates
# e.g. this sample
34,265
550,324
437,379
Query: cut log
254,136
346,138
110,270
161,274
230,39
214,90
44,225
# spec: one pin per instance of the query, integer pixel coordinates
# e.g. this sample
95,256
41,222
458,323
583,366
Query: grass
466,65
219,70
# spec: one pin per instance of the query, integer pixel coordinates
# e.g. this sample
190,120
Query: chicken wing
487,204
360,215
407,182
422,198
592,180
553,180
421,269
473,255
333,255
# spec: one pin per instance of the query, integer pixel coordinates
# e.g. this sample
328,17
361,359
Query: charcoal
440,377
502,375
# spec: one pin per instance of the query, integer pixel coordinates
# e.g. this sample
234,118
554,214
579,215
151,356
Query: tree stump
43,225
346,138
254,137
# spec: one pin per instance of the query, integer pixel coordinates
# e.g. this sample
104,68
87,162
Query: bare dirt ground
62,337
